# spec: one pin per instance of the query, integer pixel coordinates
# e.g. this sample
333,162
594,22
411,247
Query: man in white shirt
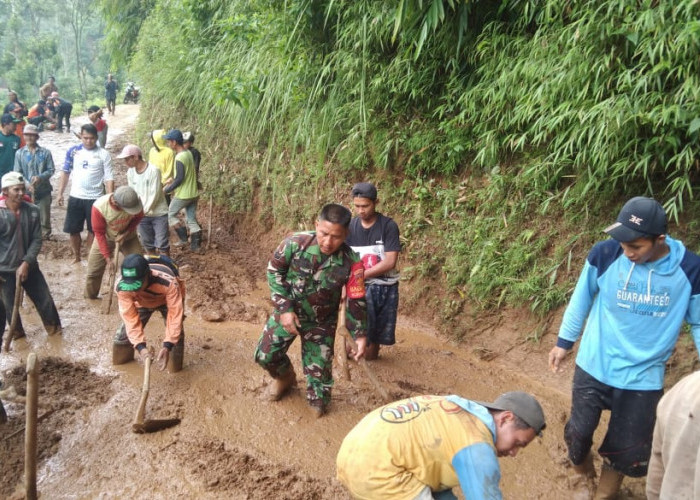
92,167
145,179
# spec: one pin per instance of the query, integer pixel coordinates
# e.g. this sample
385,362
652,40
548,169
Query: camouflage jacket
309,283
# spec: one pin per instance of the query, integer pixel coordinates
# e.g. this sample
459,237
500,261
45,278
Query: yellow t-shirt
399,449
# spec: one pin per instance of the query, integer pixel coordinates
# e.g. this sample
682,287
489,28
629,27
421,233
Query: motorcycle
132,93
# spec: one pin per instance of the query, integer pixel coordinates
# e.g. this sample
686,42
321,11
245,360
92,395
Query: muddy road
232,443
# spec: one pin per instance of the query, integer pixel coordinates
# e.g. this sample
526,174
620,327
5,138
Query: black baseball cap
640,217
134,270
364,190
523,405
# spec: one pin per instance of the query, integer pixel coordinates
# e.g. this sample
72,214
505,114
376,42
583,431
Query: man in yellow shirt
422,447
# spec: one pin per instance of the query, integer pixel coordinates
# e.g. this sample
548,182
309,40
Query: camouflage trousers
316,355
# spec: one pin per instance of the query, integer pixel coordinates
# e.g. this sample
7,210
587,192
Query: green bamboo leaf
694,126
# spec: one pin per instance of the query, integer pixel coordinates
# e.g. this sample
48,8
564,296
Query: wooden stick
112,278
363,363
343,332
211,205
15,315
30,436
141,411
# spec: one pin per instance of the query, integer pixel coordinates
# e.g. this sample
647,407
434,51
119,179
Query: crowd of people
634,293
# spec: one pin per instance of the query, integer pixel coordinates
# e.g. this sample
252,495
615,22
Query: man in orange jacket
145,287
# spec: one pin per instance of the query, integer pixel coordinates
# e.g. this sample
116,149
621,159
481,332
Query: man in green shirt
9,143
183,187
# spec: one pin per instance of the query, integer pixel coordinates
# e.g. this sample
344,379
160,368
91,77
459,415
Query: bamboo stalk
30,436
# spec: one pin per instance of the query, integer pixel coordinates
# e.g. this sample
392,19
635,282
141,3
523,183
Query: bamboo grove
502,134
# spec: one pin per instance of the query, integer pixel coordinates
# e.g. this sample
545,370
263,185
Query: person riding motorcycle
132,93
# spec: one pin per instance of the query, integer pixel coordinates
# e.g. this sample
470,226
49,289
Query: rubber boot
3,415
586,468
318,409
182,234
196,241
122,350
609,484
122,353
280,385
177,355
372,352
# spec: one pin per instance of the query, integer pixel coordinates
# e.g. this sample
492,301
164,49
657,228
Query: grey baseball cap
522,404
128,200
364,190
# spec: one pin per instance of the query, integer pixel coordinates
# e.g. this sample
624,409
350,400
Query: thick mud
231,442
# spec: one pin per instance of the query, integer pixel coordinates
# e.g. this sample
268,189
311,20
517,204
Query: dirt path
231,443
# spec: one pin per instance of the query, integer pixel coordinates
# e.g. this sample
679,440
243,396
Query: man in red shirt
114,217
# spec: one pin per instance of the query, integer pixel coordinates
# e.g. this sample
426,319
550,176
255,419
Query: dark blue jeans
627,443
382,307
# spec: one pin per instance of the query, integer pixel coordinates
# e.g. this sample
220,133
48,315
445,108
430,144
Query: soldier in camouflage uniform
306,276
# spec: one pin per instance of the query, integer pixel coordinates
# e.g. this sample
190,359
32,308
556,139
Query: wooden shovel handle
19,290
141,411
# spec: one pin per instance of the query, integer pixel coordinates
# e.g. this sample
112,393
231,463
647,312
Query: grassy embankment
501,137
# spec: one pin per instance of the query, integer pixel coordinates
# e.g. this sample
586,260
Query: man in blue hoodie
633,295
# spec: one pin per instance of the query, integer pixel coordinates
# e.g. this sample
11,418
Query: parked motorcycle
132,93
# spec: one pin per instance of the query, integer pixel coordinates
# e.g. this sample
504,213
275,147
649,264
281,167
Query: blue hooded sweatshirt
633,314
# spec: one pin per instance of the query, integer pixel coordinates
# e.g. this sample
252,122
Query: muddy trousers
627,444
316,355
96,263
38,291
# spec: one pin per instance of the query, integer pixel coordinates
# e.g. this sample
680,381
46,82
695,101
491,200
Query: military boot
609,484
280,385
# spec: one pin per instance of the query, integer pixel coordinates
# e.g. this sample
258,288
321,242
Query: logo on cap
636,220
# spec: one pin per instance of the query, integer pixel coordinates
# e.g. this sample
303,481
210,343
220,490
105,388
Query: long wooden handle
30,436
370,374
15,315
342,353
141,412
112,279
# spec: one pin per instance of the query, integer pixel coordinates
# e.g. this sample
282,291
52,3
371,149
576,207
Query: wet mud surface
231,442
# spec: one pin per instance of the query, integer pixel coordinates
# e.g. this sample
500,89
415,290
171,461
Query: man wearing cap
146,287
36,165
92,167
114,220
20,243
9,143
144,178
185,194
633,295
422,447
376,238
48,88
306,275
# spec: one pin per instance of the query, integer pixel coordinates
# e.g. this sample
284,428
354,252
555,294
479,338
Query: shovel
141,426
342,329
112,277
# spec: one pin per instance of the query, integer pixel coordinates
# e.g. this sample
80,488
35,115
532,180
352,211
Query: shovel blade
154,425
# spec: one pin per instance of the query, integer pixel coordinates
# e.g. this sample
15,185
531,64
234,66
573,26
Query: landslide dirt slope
231,442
